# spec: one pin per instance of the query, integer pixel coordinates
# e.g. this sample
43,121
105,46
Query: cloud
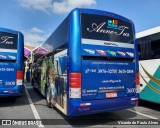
51,6
34,36
36,30
41,5
67,5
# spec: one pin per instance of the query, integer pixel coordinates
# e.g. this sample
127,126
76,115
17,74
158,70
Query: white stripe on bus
8,50
107,43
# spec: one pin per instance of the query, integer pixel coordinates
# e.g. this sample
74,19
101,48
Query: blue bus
11,62
92,66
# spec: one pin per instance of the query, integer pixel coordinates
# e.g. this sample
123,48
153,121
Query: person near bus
28,75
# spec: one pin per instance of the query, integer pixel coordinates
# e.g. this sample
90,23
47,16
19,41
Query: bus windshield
99,27
8,46
8,40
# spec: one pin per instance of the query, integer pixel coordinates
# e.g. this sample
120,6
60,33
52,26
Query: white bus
149,64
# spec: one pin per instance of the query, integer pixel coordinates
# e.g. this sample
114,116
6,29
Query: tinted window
149,47
8,40
100,27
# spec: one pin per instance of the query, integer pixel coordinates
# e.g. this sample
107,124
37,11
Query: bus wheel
140,103
48,98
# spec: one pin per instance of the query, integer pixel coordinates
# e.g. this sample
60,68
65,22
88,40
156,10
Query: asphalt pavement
32,105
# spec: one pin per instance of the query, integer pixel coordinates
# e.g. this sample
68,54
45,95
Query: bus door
60,62
145,53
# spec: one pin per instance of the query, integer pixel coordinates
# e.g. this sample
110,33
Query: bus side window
56,68
60,63
144,49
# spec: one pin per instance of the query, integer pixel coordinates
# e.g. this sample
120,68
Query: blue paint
68,36
106,49
10,63
98,77
75,42
98,106
76,64
63,64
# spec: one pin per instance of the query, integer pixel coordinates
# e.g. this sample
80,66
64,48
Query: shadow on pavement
106,118
14,101
87,120
36,96
150,105
22,100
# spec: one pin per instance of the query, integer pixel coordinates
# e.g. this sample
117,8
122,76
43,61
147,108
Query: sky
37,19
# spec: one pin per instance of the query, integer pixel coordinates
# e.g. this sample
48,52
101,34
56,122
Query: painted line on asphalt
34,110
143,114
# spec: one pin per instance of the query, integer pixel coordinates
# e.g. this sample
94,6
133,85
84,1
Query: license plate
111,95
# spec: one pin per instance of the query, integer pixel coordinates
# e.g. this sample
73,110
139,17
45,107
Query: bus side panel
74,51
150,86
149,65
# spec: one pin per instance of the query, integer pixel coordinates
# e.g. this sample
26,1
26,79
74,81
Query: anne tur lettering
100,29
6,40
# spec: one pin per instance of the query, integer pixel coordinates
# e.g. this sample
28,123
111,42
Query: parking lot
32,105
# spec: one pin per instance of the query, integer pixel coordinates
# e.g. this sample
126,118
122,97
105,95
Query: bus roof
148,32
51,43
9,30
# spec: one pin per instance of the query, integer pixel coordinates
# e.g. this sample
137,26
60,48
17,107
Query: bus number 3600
131,90
9,83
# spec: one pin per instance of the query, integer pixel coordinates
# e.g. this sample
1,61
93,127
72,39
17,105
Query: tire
140,103
48,98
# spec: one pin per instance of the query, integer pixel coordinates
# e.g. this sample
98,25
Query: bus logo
112,53
101,52
2,56
84,91
121,53
6,122
0,81
130,54
92,52
12,57
5,39
108,43
113,24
